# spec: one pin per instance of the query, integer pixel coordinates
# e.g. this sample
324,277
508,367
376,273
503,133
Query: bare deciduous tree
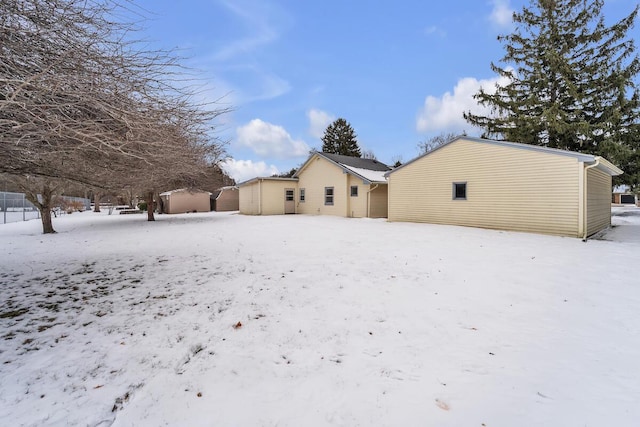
435,142
80,102
369,154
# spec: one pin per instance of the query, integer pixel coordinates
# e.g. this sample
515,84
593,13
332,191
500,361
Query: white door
289,201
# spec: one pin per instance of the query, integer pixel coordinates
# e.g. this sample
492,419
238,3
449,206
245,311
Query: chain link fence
15,207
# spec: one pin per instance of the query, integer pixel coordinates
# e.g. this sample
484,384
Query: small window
328,195
354,191
302,194
289,196
459,191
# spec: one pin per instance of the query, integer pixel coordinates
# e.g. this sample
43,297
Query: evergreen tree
340,138
571,83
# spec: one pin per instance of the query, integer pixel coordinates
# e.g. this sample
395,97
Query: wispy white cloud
318,122
501,15
257,84
270,141
445,113
261,32
270,86
242,170
317,90
434,30
260,25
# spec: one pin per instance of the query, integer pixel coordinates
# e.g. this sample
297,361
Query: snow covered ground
219,319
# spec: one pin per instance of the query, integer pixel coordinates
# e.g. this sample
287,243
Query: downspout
586,196
369,199
259,197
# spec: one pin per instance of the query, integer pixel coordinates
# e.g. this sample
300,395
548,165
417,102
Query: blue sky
399,71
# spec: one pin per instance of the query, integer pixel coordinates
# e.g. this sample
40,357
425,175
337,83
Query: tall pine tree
340,138
571,83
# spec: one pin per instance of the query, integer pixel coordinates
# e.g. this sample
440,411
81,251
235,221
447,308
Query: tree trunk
160,204
96,202
150,216
44,206
45,209
31,188
47,225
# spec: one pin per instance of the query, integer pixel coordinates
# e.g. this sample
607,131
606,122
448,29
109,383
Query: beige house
185,200
226,199
332,184
326,184
504,185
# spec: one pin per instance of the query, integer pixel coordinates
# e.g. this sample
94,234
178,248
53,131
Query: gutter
586,197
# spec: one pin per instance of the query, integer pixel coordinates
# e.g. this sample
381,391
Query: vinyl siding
357,206
507,188
273,196
378,200
317,175
249,199
598,201
265,197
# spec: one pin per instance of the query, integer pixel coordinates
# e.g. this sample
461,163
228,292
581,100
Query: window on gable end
459,191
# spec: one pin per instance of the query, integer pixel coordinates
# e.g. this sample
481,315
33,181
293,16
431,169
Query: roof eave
425,154
304,165
608,167
320,154
266,178
586,158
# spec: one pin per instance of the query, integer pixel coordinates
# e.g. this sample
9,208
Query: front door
289,201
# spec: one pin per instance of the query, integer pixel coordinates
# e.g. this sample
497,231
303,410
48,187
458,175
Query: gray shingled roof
357,162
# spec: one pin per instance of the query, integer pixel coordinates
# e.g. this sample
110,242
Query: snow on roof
180,190
369,175
216,194
621,189
166,193
369,169
356,162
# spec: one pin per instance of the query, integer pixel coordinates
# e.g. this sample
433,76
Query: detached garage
622,195
185,200
504,185
225,199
